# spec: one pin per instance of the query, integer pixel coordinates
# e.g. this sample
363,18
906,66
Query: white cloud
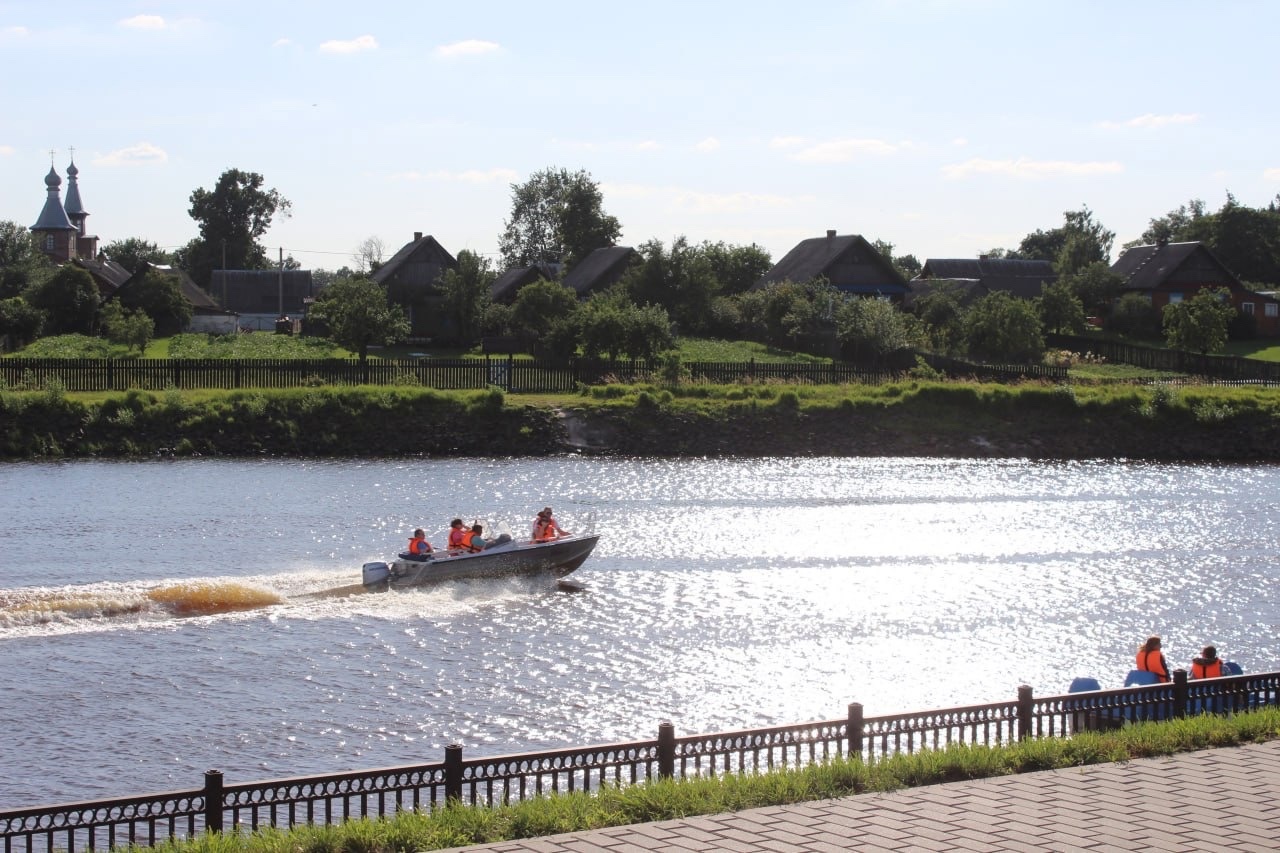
843,150
786,141
1151,120
282,42
468,176
1024,168
959,141
354,45
16,32
135,155
143,22
708,144
1267,174
6,150
469,47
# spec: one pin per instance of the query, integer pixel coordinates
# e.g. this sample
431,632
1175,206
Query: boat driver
419,547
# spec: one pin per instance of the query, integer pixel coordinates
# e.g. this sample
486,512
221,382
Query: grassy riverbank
915,418
461,825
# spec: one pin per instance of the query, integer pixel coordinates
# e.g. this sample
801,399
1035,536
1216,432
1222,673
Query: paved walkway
1219,799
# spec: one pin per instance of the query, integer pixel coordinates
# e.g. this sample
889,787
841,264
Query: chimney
831,232
417,235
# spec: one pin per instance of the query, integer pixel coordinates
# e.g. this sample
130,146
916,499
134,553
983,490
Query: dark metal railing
333,798
514,375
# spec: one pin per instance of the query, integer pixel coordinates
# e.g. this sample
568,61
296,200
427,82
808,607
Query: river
156,618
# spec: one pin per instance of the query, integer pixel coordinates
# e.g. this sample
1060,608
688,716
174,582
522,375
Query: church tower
56,235
86,244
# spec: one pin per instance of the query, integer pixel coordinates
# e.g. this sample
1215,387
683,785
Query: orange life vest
457,537
1206,670
545,531
1157,666
419,546
467,537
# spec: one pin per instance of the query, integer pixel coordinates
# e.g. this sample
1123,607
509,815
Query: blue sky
946,128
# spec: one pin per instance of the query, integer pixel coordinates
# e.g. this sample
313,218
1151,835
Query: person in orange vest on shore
418,545
1208,665
545,528
1151,659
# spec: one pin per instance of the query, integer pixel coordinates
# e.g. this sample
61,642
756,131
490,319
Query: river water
156,619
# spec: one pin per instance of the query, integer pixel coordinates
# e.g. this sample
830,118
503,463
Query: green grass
708,349
458,825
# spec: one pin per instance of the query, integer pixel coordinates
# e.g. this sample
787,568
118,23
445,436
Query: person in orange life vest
418,545
456,532
473,539
1208,665
545,528
1151,659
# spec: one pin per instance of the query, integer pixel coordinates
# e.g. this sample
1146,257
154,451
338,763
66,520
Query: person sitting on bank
419,547
1208,665
456,533
473,539
1151,659
545,527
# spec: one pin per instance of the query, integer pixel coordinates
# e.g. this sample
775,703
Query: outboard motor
375,573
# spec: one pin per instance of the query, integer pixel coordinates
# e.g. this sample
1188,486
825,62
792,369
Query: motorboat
504,557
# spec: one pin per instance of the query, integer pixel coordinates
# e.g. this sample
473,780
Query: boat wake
45,606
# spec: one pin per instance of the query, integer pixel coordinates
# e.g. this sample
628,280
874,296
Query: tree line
557,218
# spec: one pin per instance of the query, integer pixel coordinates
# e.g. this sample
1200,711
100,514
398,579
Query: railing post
1024,712
213,800
1179,692
666,750
853,729
453,772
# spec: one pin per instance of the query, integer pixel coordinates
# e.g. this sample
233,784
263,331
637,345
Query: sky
944,128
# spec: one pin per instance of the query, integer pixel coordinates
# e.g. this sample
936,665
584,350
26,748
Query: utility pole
280,281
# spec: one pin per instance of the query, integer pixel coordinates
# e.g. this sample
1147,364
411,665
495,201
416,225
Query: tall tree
1078,242
557,216
680,280
465,293
368,255
133,252
1002,327
232,217
1246,239
1060,308
159,296
358,316
21,262
69,300
736,268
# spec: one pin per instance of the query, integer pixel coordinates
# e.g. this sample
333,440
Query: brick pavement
1218,799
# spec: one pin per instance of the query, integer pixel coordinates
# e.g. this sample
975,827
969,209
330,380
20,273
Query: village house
599,269
1168,273
848,262
970,279
411,278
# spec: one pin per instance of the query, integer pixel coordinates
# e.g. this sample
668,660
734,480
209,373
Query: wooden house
848,262
411,278
600,269
972,278
1167,273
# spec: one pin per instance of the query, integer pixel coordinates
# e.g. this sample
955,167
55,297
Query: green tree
1199,324
557,216
736,268
22,264
1188,223
942,315
133,329
908,266
680,280
465,296
545,313
357,315
611,325
1002,327
1133,314
69,300
784,312
159,296
1095,285
233,217
1080,241
133,252
20,322
1060,308
871,330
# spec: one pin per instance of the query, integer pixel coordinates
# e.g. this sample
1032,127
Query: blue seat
1140,678
1082,684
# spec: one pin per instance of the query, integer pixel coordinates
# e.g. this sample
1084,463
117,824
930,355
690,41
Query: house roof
847,261
505,287
598,269
200,301
1148,267
107,274
983,268
53,217
419,243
